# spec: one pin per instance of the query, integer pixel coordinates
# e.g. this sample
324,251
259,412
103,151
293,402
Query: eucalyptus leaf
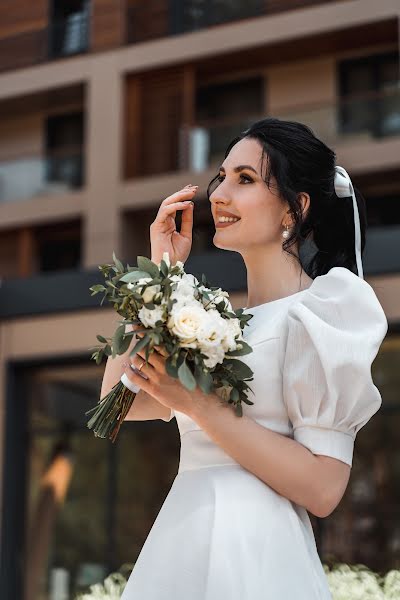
139,345
204,380
97,288
133,276
164,268
101,339
117,340
125,343
246,349
118,264
234,395
239,410
145,264
241,370
186,376
171,369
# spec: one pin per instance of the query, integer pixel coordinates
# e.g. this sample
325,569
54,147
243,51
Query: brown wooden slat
108,24
17,16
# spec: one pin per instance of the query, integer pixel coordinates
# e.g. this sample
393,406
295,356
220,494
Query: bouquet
192,321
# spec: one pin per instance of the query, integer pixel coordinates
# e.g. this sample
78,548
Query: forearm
282,463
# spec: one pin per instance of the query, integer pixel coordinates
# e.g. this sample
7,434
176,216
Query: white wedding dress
222,533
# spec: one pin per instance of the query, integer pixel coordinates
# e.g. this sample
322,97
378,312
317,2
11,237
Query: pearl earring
286,233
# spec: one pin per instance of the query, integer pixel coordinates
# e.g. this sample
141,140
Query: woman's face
245,194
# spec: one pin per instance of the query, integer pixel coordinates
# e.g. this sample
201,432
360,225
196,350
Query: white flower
180,266
149,293
212,330
165,258
215,354
186,320
149,316
233,335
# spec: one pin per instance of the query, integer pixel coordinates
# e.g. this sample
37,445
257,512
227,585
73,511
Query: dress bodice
311,363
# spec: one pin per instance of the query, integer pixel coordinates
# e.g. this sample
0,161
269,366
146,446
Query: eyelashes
220,178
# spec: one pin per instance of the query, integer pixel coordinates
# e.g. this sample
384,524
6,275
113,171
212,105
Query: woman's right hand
163,234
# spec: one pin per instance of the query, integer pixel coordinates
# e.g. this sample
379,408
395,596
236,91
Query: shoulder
338,316
342,299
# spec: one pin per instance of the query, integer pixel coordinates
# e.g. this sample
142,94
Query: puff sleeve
333,335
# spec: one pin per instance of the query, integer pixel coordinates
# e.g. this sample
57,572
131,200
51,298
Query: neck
272,274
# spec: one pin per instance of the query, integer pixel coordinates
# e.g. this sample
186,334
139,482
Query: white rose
233,331
150,316
215,355
185,321
213,329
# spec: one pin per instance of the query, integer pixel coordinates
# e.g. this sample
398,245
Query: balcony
361,119
62,38
30,176
161,18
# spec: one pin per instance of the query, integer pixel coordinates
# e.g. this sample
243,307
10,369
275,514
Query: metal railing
362,118
31,176
159,18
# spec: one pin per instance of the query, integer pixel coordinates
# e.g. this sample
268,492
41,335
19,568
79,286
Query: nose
219,196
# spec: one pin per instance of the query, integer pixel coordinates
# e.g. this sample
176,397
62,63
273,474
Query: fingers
170,209
186,192
177,201
187,222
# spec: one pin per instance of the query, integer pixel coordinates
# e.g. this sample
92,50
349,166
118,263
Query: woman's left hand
159,384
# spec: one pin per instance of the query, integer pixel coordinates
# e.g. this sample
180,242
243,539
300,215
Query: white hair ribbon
344,188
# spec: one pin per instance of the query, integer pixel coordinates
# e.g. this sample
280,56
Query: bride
235,522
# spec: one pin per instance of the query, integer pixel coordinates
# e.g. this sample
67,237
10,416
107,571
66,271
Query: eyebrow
240,168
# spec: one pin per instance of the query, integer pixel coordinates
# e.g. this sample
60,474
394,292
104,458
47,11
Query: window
369,89
109,493
64,149
69,28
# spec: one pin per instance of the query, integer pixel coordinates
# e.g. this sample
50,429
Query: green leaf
239,410
186,377
145,264
204,380
241,370
139,345
118,264
125,343
97,288
171,369
101,339
246,349
164,268
118,339
133,276
234,395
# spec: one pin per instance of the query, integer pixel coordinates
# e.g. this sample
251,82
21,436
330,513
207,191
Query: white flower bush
346,582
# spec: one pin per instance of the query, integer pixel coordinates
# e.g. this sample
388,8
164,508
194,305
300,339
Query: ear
305,203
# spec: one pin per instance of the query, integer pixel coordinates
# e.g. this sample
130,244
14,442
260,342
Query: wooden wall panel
18,16
147,20
108,24
159,119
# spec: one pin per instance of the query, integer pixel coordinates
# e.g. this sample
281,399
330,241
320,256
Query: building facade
106,108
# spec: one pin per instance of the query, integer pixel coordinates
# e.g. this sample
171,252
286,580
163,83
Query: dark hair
300,162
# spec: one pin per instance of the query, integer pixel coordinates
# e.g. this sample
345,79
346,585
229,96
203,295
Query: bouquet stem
110,412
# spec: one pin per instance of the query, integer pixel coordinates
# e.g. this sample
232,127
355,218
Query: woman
235,523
